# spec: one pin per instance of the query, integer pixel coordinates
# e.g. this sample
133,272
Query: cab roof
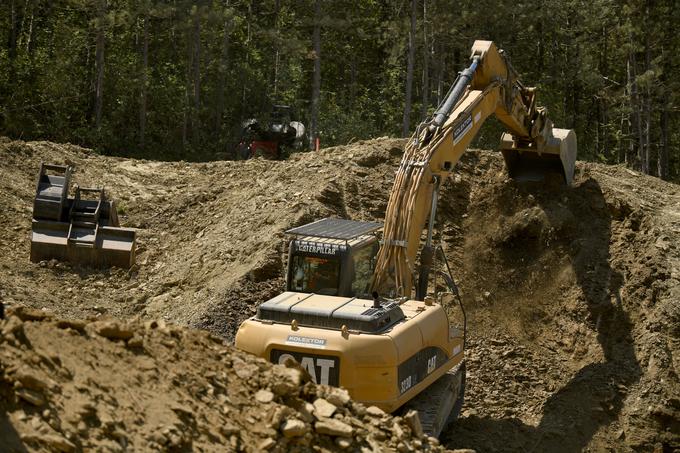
329,228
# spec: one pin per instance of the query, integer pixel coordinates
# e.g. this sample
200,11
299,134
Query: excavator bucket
51,191
529,162
83,229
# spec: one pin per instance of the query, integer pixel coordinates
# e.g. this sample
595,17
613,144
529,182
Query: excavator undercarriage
83,229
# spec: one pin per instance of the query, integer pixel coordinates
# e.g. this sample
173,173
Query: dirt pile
572,293
207,233
71,385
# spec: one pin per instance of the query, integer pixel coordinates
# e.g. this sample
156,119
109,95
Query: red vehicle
273,141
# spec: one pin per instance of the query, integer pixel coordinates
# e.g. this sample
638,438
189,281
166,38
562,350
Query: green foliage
606,68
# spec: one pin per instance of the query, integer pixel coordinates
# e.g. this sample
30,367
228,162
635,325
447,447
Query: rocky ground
107,386
571,295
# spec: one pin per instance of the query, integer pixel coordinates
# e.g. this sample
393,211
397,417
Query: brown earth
572,293
111,387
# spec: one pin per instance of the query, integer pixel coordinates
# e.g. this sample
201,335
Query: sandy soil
572,293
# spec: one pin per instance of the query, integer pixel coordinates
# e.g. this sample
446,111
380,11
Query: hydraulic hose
393,270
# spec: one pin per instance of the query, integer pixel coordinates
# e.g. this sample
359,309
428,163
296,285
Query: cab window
315,275
363,271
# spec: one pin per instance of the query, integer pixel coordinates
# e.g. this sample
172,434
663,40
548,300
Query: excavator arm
490,86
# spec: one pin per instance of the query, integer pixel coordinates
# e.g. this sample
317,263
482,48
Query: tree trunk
13,30
99,84
22,25
576,89
196,59
277,8
12,42
144,82
598,116
662,162
636,147
540,50
625,131
245,105
409,70
426,66
604,98
441,66
224,65
605,129
352,82
647,106
29,33
316,82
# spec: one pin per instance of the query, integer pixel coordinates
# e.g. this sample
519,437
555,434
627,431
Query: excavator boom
531,147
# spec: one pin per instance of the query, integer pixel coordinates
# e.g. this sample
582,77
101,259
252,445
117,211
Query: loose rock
413,421
333,427
264,396
113,330
294,428
323,409
337,396
375,411
31,396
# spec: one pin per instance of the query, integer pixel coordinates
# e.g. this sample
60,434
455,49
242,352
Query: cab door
357,272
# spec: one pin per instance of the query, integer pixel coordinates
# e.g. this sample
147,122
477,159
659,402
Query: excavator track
440,403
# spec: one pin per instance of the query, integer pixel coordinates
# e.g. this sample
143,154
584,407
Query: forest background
175,79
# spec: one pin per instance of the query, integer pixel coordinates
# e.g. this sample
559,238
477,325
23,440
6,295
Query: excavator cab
385,352
333,257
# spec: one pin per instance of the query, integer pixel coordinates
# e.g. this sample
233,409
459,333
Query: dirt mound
573,298
205,231
571,292
71,385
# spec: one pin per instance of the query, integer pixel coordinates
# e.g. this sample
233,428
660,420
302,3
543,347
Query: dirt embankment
571,292
108,386
207,233
573,299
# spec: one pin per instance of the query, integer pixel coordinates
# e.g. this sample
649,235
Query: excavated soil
107,386
571,296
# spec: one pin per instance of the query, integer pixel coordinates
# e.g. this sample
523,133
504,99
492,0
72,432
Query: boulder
264,396
375,411
112,330
413,421
31,397
337,396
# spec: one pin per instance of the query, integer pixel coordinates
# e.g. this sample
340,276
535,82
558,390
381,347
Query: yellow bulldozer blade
528,162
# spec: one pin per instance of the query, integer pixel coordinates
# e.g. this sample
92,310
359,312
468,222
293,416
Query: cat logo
322,369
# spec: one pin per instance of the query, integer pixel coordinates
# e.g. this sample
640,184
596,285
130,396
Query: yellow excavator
347,316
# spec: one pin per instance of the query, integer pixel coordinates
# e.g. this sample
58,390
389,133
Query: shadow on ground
593,397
